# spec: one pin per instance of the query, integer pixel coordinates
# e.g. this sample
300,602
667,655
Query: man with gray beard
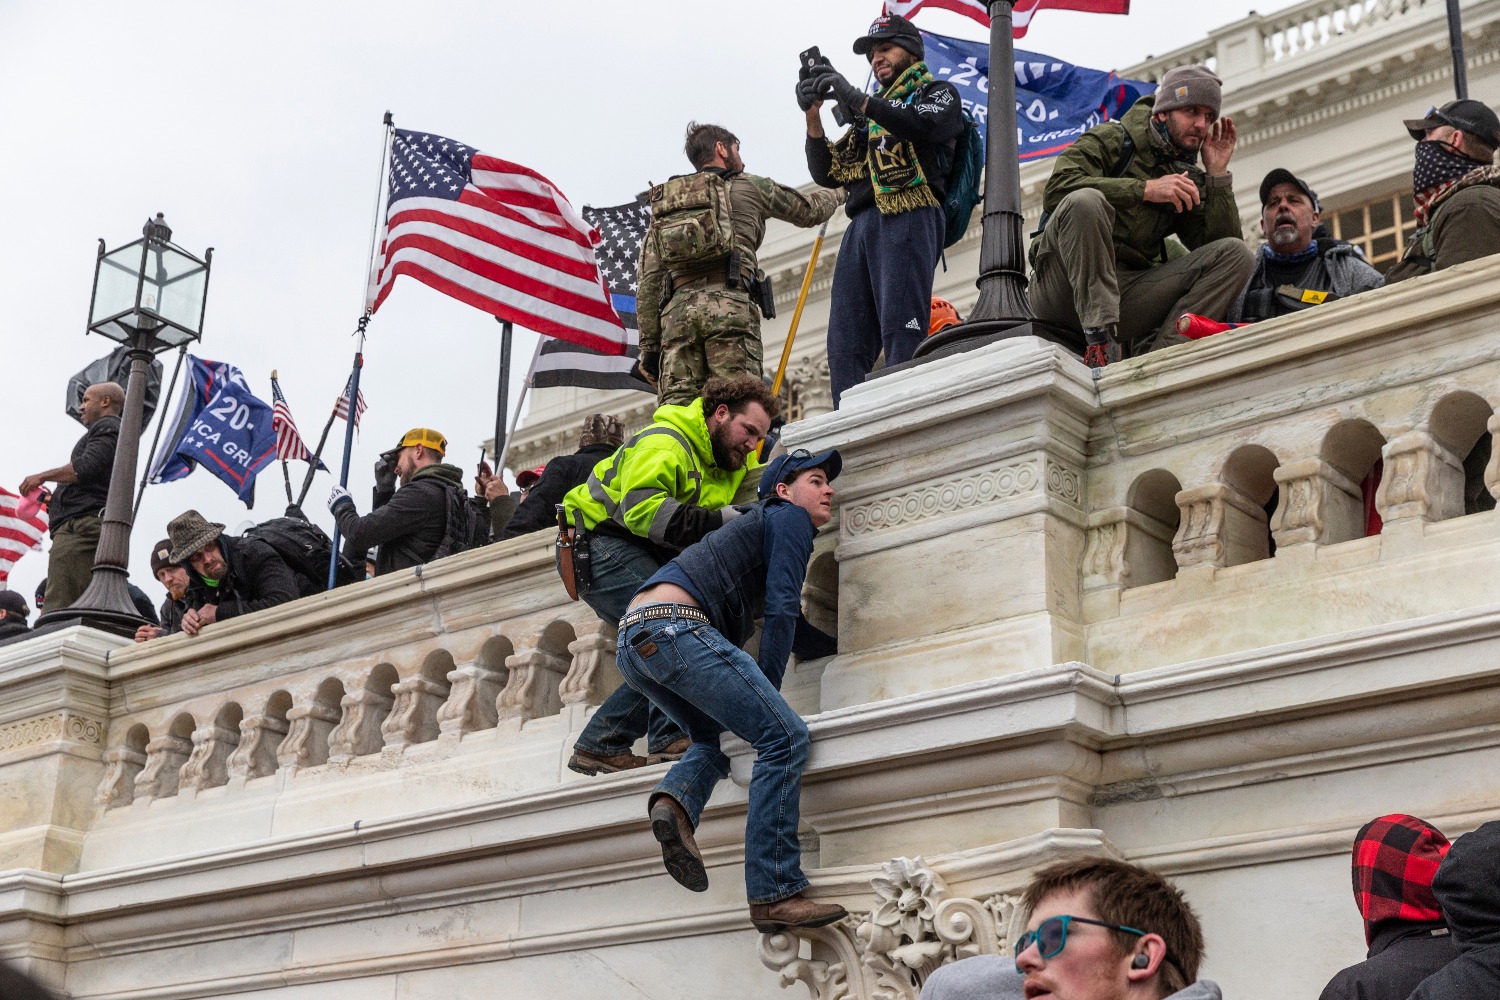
1298,267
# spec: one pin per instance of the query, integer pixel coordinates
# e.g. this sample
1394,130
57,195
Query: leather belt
650,611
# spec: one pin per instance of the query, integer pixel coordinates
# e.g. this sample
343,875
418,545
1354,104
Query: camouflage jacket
752,201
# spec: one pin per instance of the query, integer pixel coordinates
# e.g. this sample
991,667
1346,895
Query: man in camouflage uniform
693,325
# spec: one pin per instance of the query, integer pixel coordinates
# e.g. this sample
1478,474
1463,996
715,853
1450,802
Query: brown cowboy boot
679,852
591,763
794,911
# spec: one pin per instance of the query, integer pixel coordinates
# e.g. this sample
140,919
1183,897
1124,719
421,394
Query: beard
724,457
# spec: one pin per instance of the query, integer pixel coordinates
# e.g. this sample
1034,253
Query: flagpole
501,456
503,393
312,466
1456,43
286,475
791,333
161,419
352,416
1002,311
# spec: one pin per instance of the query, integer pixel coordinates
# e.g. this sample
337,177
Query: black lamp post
1001,311
150,296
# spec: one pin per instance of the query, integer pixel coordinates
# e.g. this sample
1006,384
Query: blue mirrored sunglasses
1051,936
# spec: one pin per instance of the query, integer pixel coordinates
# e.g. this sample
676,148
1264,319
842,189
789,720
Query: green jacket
1464,225
661,485
1141,228
752,200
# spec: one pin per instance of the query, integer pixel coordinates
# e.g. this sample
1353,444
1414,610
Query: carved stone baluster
471,700
165,756
1319,504
532,689
592,675
412,718
358,733
1492,467
1422,481
260,737
208,765
306,743
1104,565
119,785
1200,533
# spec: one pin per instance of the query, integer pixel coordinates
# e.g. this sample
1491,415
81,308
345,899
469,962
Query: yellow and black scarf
891,164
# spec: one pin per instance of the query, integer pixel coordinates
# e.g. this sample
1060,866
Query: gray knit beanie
1186,87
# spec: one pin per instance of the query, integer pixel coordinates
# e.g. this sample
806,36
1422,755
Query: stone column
207,767
260,737
531,692
810,377
359,731
592,675
413,717
165,756
1422,481
1319,505
306,743
961,521
471,701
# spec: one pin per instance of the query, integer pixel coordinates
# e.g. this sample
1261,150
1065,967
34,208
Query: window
1381,228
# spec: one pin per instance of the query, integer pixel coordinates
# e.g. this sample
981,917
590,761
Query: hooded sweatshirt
982,977
1468,889
1395,860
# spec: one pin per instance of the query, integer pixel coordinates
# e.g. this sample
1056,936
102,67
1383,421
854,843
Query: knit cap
1187,87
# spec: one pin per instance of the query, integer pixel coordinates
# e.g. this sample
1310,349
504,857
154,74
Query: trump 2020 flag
221,425
1056,102
494,235
1020,14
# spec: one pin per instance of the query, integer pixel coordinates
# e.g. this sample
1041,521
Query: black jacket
1401,956
12,627
93,459
256,579
171,614
538,511
1468,889
142,604
408,524
929,121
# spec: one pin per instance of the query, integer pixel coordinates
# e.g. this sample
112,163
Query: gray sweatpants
1077,284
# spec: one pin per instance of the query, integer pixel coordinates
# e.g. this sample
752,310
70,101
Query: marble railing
440,653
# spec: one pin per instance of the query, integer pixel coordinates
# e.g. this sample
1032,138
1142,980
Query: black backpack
305,548
466,527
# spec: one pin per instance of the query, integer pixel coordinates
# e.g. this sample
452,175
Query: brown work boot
794,911
591,763
679,852
673,751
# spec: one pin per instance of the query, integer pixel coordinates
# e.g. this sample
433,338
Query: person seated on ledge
1456,186
1297,267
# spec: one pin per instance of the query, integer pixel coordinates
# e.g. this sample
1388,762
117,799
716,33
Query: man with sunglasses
1456,186
680,645
1102,929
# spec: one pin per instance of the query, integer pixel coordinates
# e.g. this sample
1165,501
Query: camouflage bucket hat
600,428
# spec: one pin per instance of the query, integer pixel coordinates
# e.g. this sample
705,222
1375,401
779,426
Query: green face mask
211,583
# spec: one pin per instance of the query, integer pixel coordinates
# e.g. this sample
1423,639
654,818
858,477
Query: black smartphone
807,61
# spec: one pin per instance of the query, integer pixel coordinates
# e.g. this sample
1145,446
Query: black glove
385,475
831,81
807,94
650,366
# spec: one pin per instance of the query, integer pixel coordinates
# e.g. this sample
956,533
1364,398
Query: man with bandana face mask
1457,189
1101,263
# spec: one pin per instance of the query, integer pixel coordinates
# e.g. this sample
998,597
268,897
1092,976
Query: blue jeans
882,292
619,568
708,686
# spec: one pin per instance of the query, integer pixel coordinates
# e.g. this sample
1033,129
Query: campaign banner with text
222,426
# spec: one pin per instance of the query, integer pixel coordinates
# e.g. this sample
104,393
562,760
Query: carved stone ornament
471,700
914,927
592,674
975,490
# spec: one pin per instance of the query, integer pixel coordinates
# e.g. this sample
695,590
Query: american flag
18,535
622,228
495,235
341,405
1020,15
289,446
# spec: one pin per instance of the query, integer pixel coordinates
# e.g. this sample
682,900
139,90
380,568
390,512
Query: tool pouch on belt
763,294
573,555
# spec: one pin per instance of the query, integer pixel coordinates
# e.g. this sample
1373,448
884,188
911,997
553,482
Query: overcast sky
256,128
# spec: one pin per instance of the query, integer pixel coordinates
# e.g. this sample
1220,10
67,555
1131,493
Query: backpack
305,548
965,176
691,223
465,529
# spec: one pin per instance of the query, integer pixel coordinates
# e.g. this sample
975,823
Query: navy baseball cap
792,462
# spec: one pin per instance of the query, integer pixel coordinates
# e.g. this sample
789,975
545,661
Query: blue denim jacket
752,566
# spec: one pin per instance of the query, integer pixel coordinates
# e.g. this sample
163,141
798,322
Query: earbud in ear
1141,961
